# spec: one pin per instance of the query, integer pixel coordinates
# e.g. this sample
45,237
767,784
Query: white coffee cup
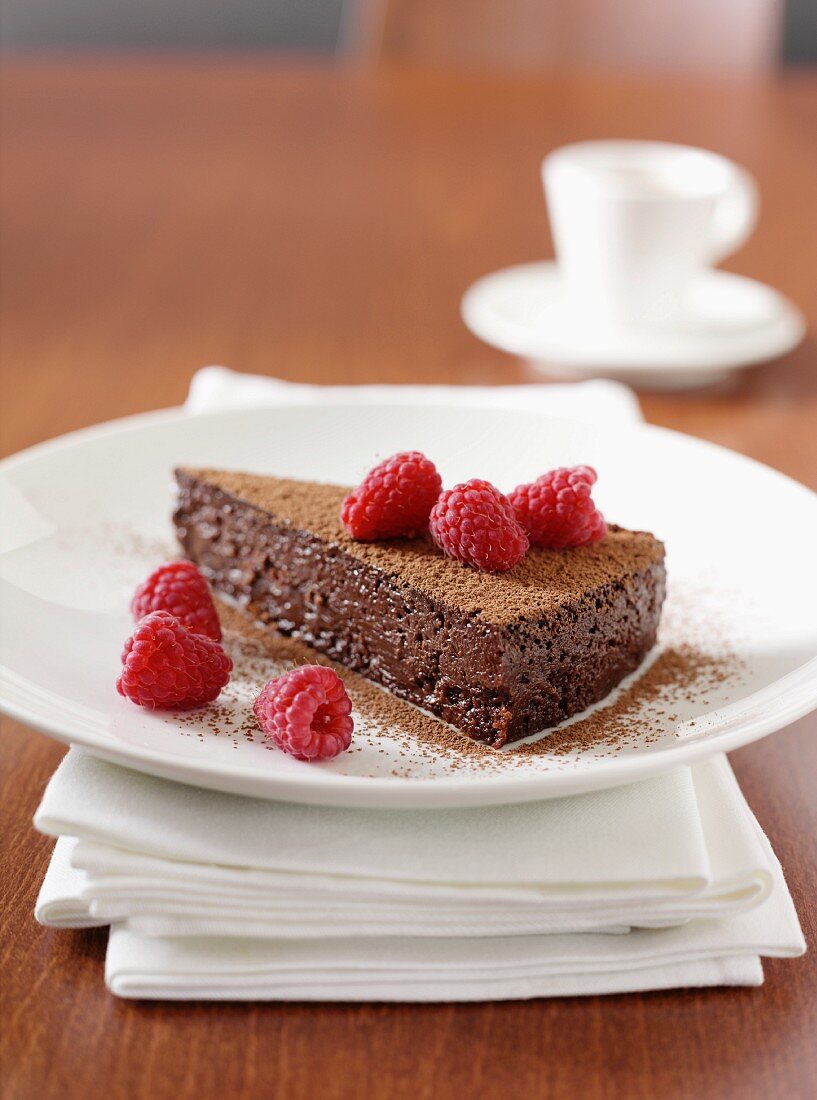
634,223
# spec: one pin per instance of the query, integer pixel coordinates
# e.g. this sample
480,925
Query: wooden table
321,224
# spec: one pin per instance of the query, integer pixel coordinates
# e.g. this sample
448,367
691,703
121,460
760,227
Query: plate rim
328,788
400,792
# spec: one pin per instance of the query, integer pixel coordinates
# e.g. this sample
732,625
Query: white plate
87,516
731,322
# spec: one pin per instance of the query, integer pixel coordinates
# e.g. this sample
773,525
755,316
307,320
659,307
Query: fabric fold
667,882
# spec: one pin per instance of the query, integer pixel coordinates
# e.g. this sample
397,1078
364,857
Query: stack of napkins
665,883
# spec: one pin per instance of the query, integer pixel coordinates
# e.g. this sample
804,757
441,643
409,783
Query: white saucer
732,322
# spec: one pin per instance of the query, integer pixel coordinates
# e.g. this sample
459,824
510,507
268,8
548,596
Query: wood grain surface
321,224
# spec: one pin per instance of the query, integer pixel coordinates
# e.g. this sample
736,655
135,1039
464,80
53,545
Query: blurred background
732,35
306,188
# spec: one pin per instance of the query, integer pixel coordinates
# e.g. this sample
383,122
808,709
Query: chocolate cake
499,656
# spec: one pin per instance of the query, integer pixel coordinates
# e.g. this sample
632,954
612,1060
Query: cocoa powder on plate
680,672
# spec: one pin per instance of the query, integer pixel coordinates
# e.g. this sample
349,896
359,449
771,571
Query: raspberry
475,523
179,588
307,713
557,511
166,665
394,498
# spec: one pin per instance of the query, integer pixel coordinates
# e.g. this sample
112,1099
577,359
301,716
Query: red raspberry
307,713
475,523
179,588
166,665
557,511
394,498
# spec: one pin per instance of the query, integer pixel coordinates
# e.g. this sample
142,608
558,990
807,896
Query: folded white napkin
598,401
493,969
214,896
168,862
686,847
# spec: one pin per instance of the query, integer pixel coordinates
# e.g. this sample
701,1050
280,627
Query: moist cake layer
499,656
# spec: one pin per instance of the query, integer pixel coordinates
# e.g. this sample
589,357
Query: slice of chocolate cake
499,656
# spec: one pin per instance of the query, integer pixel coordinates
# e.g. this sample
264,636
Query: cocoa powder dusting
677,672
259,653
543,583
695,668
640,713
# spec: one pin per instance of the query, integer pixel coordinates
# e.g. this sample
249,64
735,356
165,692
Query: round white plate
732,322
87,516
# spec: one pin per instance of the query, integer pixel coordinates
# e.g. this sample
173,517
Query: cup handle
734,217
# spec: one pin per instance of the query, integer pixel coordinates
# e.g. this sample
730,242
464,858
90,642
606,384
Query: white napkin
201,968
228,898
686,847
598,401
394,969
301,897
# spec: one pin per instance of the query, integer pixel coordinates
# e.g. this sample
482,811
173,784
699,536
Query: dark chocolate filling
498,677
